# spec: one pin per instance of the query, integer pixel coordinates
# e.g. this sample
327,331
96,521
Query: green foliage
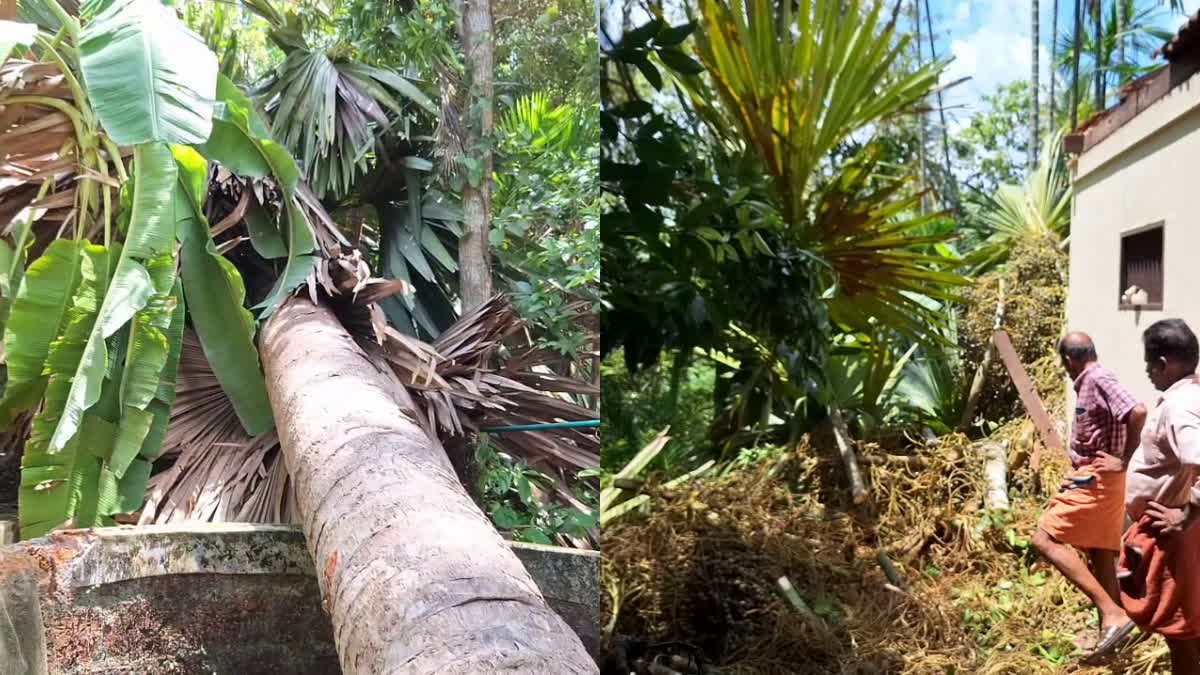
546,231
238,37
424,37
216,296
323,111
94,331
510,491
991,150
1038,210
1142,36
148,77
548,46
638,405
418,237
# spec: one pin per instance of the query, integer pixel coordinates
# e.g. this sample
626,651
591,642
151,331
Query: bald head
1077,347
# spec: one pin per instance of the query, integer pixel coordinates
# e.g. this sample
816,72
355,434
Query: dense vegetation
793,238
284,145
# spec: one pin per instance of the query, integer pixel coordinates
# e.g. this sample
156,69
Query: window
1142,266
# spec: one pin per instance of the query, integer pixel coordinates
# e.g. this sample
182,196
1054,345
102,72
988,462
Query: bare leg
1104,568
1185,656
1063,557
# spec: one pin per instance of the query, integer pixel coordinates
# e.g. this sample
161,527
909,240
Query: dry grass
702,568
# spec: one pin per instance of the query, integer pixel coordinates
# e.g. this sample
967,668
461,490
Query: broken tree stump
995,470
858,489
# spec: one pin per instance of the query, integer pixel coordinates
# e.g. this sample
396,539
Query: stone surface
22,647
570,581
212,598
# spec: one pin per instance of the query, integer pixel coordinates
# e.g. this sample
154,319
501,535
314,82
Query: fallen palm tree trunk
415,578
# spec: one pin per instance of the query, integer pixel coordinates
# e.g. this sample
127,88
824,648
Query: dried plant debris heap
1034,302
966,593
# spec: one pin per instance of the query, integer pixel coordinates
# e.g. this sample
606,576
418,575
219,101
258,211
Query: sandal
1112,640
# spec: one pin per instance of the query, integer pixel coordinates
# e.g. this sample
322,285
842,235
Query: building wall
1145,172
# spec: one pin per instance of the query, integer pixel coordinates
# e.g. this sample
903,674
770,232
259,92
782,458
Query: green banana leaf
52,482
215,294
36,319
151,234
148,77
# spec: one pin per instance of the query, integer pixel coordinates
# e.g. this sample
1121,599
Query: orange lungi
1163,593
1091,516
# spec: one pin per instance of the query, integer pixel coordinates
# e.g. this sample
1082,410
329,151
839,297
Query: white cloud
995,53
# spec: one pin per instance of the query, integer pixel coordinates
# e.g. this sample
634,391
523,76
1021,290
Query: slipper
1112,641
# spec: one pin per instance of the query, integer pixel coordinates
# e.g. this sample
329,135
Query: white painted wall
1147,171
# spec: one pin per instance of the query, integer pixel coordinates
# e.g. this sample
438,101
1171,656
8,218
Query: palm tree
850,214
357,457
1039,209
1053,61
1034,35
1077,32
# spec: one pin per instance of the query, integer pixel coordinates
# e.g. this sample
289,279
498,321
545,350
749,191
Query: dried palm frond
38,149
217,472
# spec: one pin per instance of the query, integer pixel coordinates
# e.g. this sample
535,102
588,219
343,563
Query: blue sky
990,42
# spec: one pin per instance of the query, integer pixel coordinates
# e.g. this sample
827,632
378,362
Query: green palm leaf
790,87
148,77
1039,209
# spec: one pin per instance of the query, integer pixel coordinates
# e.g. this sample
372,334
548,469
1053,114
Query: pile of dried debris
921,578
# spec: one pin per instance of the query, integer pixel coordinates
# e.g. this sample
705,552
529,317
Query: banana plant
94,324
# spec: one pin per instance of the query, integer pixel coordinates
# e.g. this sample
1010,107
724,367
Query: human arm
1183,436
1133,430
1126,412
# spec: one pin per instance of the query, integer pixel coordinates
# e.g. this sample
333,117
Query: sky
990,43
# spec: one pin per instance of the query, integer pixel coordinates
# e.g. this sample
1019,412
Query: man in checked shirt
1088,513
1160,557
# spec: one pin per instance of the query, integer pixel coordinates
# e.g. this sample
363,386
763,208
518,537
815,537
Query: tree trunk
1034,33
858,489
8,9
474,254
1053,63
1122,21
1078,33
923,176
415,578
951,181
1098,48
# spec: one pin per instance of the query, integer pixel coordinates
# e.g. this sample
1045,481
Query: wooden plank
1027,392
